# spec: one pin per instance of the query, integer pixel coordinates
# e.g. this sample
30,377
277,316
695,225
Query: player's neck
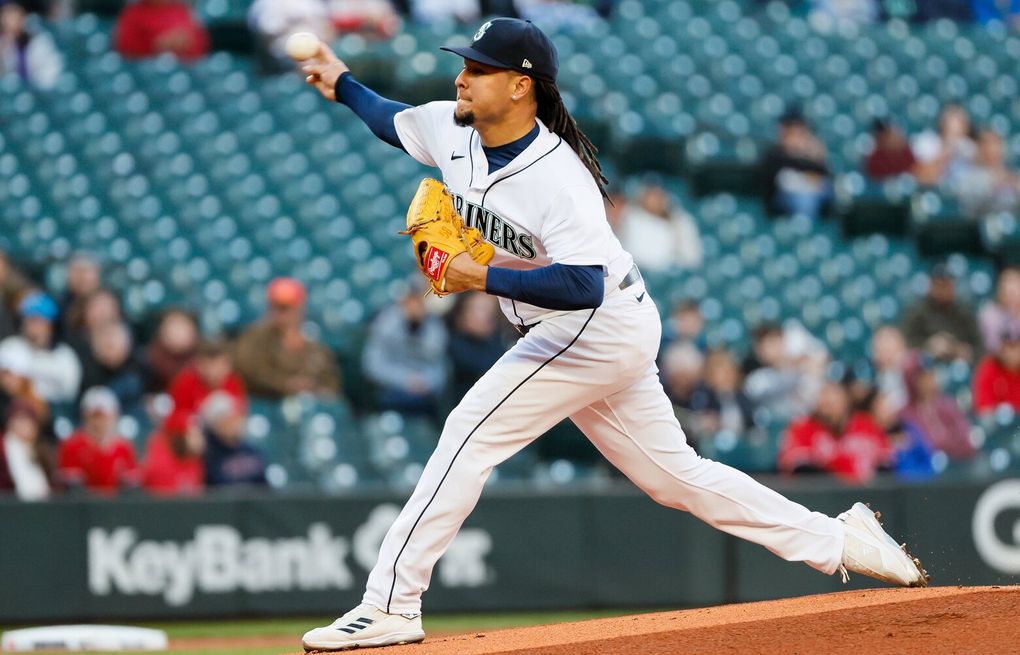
506,131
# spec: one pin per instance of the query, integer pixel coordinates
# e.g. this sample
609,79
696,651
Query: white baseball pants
598,368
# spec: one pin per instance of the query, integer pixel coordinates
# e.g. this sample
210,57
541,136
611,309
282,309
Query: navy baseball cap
515,44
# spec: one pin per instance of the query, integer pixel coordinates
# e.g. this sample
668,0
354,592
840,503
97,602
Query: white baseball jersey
595,366
542,208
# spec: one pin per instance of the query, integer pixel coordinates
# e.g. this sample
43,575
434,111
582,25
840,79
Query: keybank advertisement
272,555
219,559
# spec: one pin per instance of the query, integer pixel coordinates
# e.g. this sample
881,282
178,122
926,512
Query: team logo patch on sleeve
435,260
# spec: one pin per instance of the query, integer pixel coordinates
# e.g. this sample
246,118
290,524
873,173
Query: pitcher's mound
932,621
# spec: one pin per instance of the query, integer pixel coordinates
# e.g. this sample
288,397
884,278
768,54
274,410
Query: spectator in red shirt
997,378
173,464
95,456
152,27
212,371
834,440
891,155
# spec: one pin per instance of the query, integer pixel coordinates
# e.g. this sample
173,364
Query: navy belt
632,277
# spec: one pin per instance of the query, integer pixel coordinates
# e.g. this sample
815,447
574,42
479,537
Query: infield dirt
936,620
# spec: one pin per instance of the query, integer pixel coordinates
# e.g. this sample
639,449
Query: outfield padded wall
251,555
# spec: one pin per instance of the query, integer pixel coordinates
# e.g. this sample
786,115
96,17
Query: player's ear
522,87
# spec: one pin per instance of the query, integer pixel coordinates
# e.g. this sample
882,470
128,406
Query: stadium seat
202,181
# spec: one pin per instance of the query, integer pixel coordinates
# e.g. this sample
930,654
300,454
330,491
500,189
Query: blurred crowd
147,28
76,355
68,351
854,419
963,161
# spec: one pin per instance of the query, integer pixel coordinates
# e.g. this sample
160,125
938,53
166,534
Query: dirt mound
932,621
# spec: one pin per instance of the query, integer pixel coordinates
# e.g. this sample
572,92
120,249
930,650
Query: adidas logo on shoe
357,624
363,627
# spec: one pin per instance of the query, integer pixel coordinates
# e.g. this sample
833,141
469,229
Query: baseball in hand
302,45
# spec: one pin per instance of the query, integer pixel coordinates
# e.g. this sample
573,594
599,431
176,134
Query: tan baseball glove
439,234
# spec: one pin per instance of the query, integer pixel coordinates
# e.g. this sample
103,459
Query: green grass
293,628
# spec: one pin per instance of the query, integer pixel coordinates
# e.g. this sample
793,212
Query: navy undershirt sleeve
376,111
557,286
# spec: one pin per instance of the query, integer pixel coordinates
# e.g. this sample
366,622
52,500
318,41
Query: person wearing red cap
275,357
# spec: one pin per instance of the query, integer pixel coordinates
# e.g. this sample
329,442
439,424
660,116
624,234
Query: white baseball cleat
365,626
870,551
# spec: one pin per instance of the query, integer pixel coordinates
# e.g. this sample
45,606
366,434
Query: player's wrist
344,73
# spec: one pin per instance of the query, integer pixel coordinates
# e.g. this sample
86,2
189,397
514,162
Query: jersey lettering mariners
541,208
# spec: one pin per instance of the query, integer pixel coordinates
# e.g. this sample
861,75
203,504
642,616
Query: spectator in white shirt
272,21
56,371
28,53
659,234
942,156
439,11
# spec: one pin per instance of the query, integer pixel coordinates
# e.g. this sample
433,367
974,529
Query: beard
464,118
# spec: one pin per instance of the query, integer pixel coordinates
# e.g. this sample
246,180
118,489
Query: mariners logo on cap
481,30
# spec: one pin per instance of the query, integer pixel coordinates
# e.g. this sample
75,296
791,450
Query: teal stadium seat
203,181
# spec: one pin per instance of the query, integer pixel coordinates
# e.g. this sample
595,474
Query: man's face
1008,293
101,308
833,403
111,346
213,370
178,334
943,290
230,427
955,122
770,349
793,135
927,384
483,93
479,315
888,348
889,139
9,382
37,330
12,18
721,374
24,427
100,423
284,316
655,200
690,322
414,308
989,150
1009,354
83,277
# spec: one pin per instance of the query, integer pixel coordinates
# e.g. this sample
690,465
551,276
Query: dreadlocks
556,117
